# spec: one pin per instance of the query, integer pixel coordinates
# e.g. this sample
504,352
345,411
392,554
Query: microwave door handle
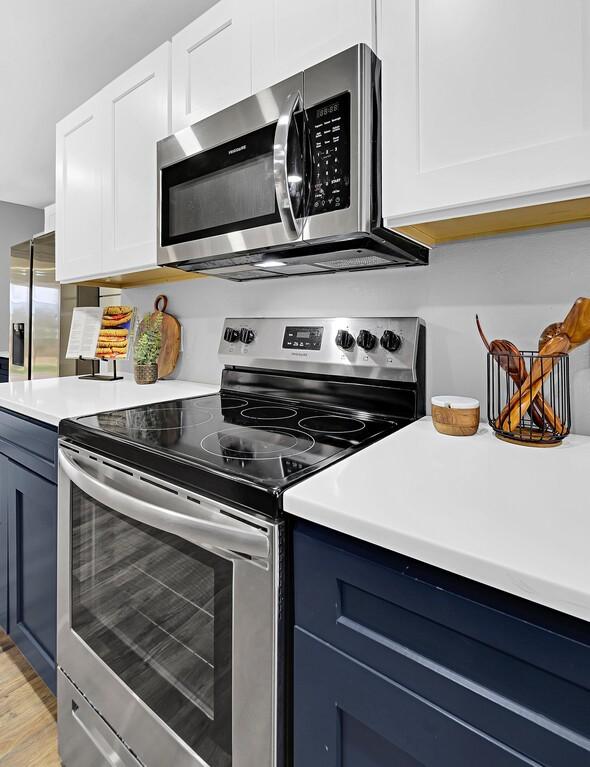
199,531
292,226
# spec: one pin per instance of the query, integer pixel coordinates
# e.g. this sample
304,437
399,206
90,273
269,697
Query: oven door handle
292,225
202,532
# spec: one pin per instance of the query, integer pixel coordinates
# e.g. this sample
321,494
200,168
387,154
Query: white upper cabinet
106,193
211,62
78,193
137,116
486,105
289,36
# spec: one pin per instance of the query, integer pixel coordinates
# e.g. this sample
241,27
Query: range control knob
231,335
246,335
344,339
390,341
366,340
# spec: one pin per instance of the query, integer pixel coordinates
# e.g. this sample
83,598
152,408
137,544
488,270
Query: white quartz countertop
516,518
52,399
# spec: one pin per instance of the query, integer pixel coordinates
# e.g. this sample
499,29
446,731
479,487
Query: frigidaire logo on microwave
236,149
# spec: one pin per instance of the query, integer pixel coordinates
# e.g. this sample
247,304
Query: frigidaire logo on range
299,354
236,149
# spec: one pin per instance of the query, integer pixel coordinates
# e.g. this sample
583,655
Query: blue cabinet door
347,715
395,661
3,548
32,564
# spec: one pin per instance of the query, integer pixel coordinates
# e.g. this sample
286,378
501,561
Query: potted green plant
147,349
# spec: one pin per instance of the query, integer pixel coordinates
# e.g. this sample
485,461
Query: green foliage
148,340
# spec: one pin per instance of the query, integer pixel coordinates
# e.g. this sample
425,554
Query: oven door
236,181
168,617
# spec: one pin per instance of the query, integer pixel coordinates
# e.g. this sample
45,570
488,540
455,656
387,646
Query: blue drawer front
519,673
30,443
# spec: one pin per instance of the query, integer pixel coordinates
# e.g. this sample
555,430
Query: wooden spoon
550,332
542,367
577,323
575,331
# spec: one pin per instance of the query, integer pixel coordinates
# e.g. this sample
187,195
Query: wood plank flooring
28,731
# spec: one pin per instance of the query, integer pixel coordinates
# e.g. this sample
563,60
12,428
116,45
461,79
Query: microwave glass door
157,610
231,187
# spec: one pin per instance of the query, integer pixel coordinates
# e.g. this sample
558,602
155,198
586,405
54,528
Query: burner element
257,443
269,413
331,424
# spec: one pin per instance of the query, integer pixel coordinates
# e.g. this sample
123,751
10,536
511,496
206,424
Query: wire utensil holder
545,421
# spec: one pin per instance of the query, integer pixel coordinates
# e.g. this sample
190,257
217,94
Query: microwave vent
250,274
355,262
298,268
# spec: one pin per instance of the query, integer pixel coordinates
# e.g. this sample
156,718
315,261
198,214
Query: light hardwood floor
28,732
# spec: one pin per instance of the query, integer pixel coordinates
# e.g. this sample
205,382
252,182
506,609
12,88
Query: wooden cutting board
171,331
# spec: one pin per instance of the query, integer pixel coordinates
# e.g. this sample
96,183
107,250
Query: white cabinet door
211,63
137,116
289,36
486,105
79,162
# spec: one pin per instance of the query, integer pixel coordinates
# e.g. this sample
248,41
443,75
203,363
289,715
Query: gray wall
518,284
17,223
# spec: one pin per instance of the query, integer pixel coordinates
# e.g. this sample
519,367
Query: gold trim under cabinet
499,222
140,279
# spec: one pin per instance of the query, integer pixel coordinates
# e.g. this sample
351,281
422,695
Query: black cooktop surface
229,445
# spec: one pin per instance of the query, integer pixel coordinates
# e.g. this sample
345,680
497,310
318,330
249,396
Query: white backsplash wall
518,284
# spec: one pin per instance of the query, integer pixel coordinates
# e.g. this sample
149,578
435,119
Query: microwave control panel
329,125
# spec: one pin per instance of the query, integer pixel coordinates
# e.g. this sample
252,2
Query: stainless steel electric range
173,595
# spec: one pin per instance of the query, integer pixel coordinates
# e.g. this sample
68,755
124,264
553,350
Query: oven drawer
85,740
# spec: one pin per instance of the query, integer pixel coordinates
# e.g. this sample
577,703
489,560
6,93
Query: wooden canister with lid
455,416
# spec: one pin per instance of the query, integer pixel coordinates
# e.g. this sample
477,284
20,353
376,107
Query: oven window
239,193
158,611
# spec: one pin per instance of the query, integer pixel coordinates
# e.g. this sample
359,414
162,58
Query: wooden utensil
577,316
550,332
577,323
170,346
575,331
511,361
522,399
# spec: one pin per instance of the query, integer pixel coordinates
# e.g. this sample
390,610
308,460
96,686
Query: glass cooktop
262,441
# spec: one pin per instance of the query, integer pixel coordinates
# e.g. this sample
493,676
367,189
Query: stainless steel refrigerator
41,312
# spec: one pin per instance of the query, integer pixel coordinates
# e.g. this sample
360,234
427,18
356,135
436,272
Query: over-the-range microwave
285,182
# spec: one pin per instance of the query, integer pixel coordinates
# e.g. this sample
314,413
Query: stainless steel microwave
285,182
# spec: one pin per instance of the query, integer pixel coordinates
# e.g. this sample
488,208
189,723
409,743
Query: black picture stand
94,376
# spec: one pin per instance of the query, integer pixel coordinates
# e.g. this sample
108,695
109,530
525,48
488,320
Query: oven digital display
303,337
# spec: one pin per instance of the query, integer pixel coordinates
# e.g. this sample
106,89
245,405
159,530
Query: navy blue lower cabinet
347,714
399,663
3,549
32,571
